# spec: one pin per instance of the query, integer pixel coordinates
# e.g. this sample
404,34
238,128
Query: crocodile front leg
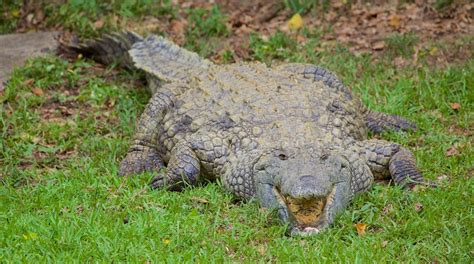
362,176
238,177
387,159
183,169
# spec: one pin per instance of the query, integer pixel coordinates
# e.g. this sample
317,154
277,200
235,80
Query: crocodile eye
282,156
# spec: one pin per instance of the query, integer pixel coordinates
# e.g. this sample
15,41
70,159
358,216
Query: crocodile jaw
309,216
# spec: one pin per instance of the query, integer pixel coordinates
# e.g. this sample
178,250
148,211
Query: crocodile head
307,186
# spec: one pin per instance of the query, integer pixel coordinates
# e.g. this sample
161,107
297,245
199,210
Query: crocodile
292,137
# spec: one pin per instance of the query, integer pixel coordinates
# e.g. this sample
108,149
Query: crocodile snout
307,187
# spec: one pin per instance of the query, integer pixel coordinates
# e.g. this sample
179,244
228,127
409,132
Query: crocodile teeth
309,213
306,211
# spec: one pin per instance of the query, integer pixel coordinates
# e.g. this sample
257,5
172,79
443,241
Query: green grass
80,15
9,15
205,27
60,198
440,4
303,6
278,47
402,44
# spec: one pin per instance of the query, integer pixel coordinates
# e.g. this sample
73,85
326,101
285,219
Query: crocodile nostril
282,156
307,178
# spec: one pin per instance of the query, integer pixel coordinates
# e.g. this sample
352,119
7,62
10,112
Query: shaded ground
364,28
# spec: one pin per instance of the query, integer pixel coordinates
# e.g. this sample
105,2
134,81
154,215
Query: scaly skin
293,136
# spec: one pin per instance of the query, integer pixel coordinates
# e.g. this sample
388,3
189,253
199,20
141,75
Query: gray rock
15,49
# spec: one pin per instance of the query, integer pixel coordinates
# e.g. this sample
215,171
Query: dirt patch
53,110
372,27
460,131
366,27
248,17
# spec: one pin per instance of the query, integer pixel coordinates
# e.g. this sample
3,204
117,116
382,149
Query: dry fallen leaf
295,22
360,228
65,111
114,20
39,16
28,82
79,210
442,177
37,91
149,24
400,62
178,26
433,51
29,18
30,236
301,39
455,106
262,249
330,16
110,103
418,188
394,21
15,13
178,30
379,45
99,24
418,207
199,200
452,151
387,209
339,4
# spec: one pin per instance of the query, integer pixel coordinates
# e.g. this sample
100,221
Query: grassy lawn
65,126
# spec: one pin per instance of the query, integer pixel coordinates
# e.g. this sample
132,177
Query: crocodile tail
110,49
166,60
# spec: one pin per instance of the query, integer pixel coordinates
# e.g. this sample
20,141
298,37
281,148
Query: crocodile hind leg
143,155
386,159
183,169
378,122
